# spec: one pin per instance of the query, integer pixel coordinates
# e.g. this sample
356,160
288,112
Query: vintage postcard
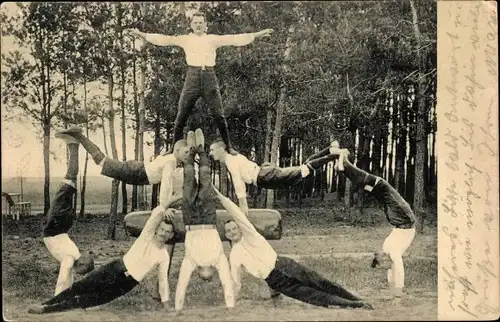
250,161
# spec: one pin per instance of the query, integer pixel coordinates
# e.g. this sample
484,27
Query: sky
22,144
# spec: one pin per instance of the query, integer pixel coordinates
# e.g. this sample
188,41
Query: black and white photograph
302,136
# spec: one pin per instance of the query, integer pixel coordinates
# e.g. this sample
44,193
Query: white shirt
200,50
146,254
154,169
203,248
242,171
253,251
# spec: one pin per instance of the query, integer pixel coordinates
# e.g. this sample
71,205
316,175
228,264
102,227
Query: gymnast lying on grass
282,274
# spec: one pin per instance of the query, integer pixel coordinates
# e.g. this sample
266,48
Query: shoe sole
199,137
191,142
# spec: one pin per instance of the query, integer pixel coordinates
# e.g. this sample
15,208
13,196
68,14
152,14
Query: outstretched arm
154,220
247,228
241,39
156,39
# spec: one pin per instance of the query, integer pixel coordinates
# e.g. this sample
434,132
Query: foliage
351,74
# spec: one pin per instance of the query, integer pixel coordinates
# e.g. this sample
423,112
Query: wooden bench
16,208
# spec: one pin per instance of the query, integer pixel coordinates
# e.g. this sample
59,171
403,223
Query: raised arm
166,188
247,228
240,39
156,217
157,39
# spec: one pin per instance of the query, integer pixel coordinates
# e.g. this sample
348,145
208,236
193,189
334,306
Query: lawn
315,238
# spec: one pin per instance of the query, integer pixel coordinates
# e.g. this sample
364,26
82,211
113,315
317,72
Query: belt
405,226
199,227
203,67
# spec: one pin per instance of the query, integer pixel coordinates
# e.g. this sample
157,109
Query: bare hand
132,32
169,214
266,32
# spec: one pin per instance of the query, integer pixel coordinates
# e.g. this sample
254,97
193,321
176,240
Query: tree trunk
114,185
141,194
84,179
392,138
124,138
376,153
104,135
46,164
410,167
362,164
267,153
137,125
75,196
399,173
280,109
157,149
421,147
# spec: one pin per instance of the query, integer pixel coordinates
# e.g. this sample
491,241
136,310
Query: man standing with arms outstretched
200,49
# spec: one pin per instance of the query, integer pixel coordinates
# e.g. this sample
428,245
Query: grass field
315,237
98,190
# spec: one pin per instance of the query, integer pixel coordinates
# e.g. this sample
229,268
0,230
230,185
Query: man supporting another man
268,176
200,49
203,246
131,171
59,220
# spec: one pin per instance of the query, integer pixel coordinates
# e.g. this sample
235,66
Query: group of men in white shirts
203,246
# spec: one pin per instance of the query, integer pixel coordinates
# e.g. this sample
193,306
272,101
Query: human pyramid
203,246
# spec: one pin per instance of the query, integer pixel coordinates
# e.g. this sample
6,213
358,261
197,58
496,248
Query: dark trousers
97,288
200,83
59,218
299,282
398,212
199,201
131,171
273,177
